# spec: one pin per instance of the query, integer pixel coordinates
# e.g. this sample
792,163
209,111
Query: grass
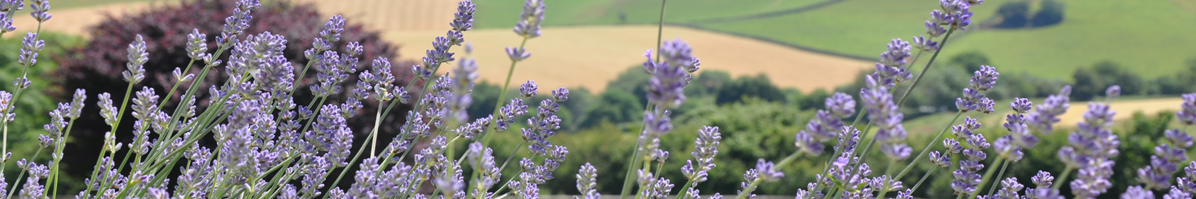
854,27
1138,34
1151,37
504,13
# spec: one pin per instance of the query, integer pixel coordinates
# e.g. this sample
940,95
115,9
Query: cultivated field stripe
1125,109
591,56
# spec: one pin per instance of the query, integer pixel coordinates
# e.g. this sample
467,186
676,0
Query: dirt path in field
591,56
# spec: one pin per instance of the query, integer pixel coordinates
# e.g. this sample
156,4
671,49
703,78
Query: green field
1153,37
504,13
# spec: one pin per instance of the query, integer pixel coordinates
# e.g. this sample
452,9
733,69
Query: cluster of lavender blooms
671,71
271,147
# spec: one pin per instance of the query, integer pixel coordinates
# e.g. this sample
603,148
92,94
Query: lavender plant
271,147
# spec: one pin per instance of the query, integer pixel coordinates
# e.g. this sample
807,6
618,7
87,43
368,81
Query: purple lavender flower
137,57
669,76
1187,115
528,89
1009,189
966,177
40,10
847,177
887,117
1176,193
1166,160
587,183
529,23
982,80
768,172
896,53
705,148
1043,179
925,44
518,54
825,124
943,161
450,180
30,45
1113,91
462,85
1090,148
463,19
1137,192
1044,118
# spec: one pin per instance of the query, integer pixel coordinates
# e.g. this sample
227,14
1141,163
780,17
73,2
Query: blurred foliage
34,103
1017,14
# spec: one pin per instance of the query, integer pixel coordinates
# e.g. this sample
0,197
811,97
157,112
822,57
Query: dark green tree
1050,13
1087,85
970,60
615,107
744,87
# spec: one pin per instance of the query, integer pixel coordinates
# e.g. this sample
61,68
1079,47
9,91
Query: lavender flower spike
587,183
137,58
41,10
1187,113
529,23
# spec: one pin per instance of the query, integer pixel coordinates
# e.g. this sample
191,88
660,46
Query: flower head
529,23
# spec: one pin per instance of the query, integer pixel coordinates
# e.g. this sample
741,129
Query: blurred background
766,66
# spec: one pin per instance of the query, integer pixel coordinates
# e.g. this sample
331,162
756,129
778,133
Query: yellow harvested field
391,15
591,56
77,20
587,56
1125,109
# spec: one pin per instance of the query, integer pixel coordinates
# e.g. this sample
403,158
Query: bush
97,65
749,87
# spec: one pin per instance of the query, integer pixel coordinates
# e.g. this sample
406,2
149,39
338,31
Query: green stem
998,179
924,176
928,146
987,175
502,95
635,160
22,175
58,159
1062,177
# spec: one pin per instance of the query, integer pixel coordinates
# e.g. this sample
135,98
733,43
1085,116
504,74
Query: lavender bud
1137,192
40,10
30,45
1187,113
528,89
586,182
518,54
1113,92
529,23
560,94
137,58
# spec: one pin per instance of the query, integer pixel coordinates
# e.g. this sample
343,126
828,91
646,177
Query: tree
615,107
1014,14
745,87
1088,85
970,60
1050,13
